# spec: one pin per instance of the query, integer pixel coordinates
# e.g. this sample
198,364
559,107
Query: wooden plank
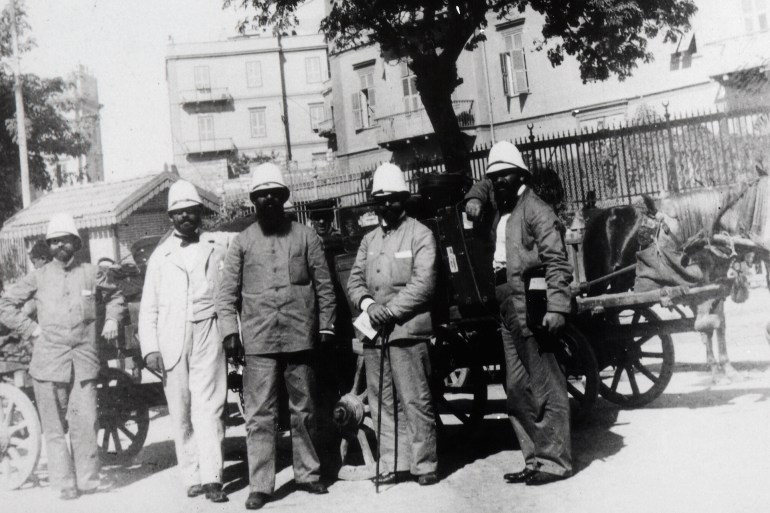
677,295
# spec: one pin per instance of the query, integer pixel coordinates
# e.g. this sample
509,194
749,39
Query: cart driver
529,234
65,360
393,279
180,340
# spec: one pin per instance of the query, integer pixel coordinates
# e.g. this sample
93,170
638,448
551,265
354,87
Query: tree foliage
606,37
49,132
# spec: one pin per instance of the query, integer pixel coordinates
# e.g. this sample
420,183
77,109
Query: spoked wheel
578,362
641,366
124,418
20,436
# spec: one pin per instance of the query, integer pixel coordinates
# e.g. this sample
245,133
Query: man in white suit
180,340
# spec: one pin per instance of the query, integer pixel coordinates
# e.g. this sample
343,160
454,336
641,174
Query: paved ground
698,448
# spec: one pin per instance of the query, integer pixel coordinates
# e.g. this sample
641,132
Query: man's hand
234,348
554,322
379,315
473,208
110,330
154,362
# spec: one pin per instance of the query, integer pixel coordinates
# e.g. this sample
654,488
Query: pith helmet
388,179
505,156
61,224
181,195
267,176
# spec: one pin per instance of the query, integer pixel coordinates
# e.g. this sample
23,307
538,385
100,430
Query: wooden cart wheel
20,437
459,398
640,368
578,362
124,417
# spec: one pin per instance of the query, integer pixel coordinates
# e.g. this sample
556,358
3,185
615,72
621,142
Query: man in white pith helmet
393,279
277,269
528,235
180,340
65,359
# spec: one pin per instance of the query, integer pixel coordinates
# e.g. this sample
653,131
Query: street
699,448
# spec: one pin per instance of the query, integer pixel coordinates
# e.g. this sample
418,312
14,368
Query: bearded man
277,269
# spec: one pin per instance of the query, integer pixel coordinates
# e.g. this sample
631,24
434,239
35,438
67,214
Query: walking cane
383,343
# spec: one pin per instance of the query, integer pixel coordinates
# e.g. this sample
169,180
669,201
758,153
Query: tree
607,37
49,132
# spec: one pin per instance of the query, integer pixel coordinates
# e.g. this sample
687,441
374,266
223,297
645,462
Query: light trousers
69,407
196,391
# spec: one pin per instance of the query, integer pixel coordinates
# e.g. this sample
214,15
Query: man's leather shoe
541,478
392,477
214,492
316,487
67,494
195,490
519,477
427,479
256,500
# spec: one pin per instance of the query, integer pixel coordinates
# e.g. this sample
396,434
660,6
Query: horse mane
696,210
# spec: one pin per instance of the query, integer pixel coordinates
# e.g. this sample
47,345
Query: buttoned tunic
66,297
397,269
284,285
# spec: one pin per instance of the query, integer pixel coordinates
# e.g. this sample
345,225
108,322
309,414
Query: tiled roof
95,204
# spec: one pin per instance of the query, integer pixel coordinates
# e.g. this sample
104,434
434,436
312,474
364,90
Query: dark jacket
284,285
533,237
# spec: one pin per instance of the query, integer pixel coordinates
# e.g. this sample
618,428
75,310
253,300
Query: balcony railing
203,147
200,96
408,125
325,128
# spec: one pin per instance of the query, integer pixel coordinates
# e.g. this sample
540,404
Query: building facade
247,97
374,113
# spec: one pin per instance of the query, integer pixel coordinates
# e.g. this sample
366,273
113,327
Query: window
755,15
253,74
316,115
682,57
313,69
206,128
513,64
257,121
409,86
202,78
364,100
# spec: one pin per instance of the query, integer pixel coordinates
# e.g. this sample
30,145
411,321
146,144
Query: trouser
196,391
261,377
69,407
407,366
537,400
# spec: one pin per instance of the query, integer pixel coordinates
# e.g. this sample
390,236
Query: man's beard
271,217
506,197
63,255
390,215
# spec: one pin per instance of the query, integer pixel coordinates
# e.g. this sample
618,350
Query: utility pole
285,117
21,123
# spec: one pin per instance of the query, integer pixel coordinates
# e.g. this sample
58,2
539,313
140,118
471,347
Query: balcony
325,128
205,96
209,147
410,125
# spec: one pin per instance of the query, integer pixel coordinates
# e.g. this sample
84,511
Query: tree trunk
436,80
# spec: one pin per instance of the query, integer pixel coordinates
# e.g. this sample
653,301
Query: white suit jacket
166,303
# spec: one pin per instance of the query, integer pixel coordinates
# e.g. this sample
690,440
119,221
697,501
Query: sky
123,44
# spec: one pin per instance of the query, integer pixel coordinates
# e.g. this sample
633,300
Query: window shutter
504,71
521,82
356,104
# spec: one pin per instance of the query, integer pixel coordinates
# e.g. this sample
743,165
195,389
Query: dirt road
698,448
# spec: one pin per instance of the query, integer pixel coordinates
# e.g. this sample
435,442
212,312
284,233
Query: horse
686,222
